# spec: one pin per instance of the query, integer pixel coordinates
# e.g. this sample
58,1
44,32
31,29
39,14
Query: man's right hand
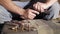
29,14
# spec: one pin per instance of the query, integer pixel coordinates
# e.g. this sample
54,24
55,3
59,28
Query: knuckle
37,2
34,15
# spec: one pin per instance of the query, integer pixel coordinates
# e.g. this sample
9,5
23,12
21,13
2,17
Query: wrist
21,12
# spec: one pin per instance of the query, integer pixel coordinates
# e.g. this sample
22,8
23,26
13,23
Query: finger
38,7
35,12
31,15
35,6
42,9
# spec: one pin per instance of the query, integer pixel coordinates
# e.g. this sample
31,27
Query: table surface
46,27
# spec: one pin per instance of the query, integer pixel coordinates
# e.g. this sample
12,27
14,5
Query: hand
40,6
30,14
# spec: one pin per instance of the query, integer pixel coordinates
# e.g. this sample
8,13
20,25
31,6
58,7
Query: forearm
12,7
51,2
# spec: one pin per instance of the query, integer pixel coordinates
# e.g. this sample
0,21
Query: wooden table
46,27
